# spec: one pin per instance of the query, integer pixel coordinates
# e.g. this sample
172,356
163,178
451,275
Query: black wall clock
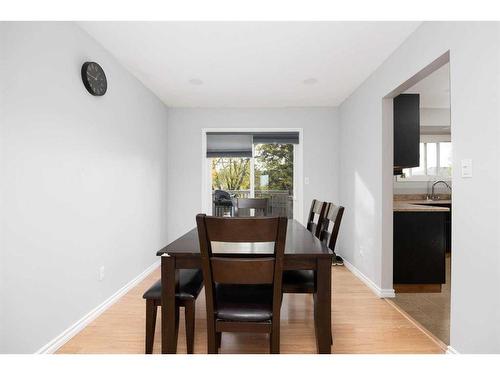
94,79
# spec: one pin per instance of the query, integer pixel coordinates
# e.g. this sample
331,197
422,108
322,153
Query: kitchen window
435,161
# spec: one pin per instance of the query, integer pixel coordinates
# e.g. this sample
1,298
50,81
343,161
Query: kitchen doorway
418,198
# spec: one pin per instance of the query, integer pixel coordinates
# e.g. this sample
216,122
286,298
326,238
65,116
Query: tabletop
299,243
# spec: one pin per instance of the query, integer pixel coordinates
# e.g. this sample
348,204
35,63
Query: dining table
303,251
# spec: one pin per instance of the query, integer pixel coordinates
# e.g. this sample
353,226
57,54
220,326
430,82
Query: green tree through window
231,173
274,167
273,170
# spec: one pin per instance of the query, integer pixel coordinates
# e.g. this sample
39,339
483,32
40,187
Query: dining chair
259,204
190,284
243,291
329,236
304,281
318,209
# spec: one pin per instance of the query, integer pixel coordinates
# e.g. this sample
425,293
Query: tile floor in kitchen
432,310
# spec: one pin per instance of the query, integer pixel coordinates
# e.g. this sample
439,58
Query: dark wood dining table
303,251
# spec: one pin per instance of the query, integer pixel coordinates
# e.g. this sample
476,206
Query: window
435,161
445,159
267,173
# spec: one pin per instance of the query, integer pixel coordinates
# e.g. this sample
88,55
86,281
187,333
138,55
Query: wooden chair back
317,208
242,269
333,217
235,268
258,204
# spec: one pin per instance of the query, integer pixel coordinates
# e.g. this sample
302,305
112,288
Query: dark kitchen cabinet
447,224
419,247
406,131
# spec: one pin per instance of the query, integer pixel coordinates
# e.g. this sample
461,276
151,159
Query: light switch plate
306,180
466,168
101,273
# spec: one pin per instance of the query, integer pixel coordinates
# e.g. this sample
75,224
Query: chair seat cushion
190,284
244,303
298,279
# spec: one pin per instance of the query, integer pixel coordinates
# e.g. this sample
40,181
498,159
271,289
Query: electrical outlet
101,273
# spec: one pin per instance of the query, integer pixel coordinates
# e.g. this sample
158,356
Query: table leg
323,305
169,318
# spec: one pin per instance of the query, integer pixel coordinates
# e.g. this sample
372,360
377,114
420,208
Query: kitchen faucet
434,184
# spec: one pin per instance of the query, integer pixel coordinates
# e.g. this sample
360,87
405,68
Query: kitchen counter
422,233
421,205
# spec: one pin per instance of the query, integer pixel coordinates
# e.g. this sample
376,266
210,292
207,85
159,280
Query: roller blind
240,144
229,145
285,137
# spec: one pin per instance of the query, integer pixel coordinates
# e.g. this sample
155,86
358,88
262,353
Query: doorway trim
298,168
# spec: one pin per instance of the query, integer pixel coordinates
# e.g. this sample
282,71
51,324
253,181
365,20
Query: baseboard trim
52,346
379,292
450,350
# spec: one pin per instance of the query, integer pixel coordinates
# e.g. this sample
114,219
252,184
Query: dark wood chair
332,219
243,291
190,284
304,281
259,204
318,209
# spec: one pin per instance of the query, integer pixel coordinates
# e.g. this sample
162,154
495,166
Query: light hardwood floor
362,323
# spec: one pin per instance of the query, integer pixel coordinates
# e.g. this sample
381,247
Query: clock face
94,79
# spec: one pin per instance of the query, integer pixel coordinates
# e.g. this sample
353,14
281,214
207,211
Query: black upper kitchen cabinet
406,131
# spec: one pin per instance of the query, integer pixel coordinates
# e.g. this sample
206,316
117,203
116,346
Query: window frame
427,177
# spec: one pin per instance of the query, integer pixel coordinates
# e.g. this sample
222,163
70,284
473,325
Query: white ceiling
251,64
434,90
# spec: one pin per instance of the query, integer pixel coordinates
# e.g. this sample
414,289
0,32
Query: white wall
320,133
475,115
83,181
435,117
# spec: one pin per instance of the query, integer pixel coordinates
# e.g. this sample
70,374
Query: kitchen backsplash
419,187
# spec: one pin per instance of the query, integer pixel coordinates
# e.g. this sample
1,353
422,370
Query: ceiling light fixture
196,81
310,81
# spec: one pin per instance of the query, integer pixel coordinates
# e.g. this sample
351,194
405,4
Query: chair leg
219,339
189,312
176,322
211,337
150,325
275,338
